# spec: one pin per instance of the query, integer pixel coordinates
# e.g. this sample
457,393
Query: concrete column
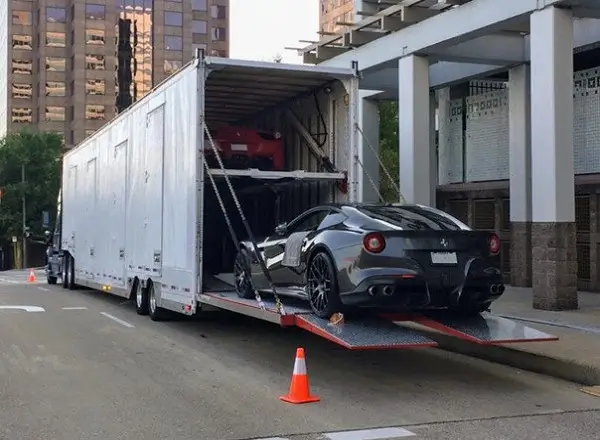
520,175
414,130
554,256
368,118
433,153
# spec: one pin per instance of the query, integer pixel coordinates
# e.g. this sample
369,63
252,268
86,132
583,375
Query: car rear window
413,218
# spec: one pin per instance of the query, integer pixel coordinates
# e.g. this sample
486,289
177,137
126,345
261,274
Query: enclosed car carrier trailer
143,215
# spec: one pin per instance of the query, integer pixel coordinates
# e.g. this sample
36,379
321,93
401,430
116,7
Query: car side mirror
281,229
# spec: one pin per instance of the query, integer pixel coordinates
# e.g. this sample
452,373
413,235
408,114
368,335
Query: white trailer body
133,192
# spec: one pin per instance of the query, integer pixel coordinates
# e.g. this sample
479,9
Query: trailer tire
65,271
140,296
156,313
241,271
72,285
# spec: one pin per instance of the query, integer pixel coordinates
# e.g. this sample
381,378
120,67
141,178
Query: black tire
156,313
242,274
65,271
322,286
72,285
50,279
140,298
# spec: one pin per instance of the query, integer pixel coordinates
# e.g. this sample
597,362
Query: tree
39,154
388,148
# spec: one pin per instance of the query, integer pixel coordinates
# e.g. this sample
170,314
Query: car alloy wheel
319,284
241,276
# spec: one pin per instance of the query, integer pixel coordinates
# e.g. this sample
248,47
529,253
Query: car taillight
374,242
494,244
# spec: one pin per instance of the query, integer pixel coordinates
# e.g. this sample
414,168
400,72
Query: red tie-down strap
343,185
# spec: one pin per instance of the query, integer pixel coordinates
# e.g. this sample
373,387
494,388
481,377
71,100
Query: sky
260,29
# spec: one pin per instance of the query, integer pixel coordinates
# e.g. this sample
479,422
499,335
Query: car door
306,222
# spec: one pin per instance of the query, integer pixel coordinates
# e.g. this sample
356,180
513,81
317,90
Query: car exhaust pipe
501,288
388,290
494,289
372,290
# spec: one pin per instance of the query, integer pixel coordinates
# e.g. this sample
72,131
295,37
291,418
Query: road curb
567,369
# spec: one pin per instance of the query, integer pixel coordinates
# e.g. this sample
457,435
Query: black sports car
392,257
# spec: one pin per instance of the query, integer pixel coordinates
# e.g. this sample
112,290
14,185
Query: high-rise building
332,12
334,15
69,66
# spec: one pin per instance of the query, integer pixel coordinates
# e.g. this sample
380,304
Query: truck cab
54,252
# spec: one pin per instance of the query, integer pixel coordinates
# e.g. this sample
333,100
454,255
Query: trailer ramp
366,334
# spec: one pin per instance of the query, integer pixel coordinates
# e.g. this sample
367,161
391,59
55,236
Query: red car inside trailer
243,148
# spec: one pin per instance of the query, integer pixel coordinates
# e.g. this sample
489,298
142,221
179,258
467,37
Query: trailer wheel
241,275
141,298
72,285
322,286
65,271
156,313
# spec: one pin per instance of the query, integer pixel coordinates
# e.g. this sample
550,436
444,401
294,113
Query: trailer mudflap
484,329
365,334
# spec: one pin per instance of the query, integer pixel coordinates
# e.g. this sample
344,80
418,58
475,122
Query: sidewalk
575,356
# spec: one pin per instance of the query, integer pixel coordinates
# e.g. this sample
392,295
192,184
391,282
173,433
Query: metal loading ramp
384,332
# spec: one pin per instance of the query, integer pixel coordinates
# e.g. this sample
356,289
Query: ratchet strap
256,251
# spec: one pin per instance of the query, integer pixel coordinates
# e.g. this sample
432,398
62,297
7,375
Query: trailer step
485,329
366,334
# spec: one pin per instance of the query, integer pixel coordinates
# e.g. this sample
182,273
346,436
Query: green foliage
40,154
388,148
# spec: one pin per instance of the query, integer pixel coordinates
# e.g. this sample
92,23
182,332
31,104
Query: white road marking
120,321
44,289
370,434
6,280
74,308
25,308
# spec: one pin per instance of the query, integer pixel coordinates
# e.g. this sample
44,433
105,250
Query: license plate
444,258
239,147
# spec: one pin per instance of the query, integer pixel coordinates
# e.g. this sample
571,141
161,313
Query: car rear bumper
412,289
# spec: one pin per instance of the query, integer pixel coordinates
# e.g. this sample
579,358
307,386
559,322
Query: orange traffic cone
299,389
31,278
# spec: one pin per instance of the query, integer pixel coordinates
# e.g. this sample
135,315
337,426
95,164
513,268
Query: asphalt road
88,367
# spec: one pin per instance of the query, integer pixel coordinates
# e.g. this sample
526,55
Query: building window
56,39
95,112
56,15
55,64
23,18
95,12
94,36
57,114
171,66
173,18
95,87
94,62
21,115
173,42
22,67
199,5
55,88
22,91
219,34
199,27
22,42
219,12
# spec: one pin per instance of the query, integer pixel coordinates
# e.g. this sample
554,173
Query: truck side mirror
281,229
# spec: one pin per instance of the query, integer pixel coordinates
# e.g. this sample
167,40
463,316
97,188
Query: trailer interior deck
389,331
